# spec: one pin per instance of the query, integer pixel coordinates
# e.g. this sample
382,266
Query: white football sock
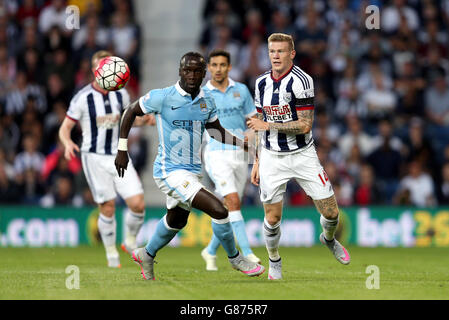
272,235
107,227
329,227
133,223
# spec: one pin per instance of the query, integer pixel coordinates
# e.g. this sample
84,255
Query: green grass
309,273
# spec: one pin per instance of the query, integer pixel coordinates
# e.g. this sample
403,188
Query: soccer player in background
224,163
183,112
284,101
98,113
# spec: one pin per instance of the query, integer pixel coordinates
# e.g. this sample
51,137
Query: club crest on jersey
237,95
203,107
287,97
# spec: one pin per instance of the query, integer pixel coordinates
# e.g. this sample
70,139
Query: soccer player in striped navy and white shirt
284,101
98,113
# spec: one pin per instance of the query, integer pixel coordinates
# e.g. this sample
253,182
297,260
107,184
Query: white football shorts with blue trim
180,186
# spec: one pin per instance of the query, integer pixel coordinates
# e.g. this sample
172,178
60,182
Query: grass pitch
309,273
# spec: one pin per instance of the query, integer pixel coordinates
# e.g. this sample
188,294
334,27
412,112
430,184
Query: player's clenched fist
257,124
255,173
121,162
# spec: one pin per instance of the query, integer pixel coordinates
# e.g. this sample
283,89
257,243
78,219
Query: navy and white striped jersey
99,118
279,100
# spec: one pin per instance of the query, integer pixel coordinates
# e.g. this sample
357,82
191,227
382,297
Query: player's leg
101,184
134,218
210,204
328,208
107,226
272,237
233,203
313,179
130,188
274,175
166,230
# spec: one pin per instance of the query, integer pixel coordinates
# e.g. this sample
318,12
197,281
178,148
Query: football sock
133,222
223,231
161,237
213,245
238,226
272,235
107,228
329,227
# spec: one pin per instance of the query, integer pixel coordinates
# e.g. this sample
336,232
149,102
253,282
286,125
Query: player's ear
293,54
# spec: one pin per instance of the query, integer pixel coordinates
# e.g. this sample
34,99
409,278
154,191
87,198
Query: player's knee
177,219
108,208
272,220
219,212
331,214
138,206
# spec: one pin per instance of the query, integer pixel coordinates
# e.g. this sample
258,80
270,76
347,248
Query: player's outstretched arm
217,132
130,114
301,126
64,135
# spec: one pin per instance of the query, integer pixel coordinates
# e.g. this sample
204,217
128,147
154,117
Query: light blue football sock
161,237
213,245
240,233
223,231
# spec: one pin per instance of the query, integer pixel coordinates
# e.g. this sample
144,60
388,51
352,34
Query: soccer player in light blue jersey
226,164
183,112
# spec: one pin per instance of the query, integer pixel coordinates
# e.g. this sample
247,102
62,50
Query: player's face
281,56
219,68
192,73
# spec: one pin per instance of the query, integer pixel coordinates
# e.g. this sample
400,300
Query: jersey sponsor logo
108,121
278,113
287,97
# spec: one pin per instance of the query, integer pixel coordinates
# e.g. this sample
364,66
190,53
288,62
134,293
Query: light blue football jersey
181,123
233,107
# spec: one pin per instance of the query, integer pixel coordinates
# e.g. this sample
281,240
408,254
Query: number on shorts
326,178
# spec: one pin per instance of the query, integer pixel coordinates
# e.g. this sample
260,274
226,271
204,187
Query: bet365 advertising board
368,226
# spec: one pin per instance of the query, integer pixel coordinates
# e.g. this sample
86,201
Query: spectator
53,15
355,136
391,17
416,188
443,189
380,100
366,193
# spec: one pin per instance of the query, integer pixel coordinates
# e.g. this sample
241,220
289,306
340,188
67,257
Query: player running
183,112
225,164
284,101
98,113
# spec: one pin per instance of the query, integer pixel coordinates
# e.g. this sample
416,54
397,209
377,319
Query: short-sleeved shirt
279,100
233,107
181,123
99,117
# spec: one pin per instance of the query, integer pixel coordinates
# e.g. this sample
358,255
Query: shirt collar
184,93
211,87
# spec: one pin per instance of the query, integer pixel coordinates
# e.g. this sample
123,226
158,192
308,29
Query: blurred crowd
381,124
43,62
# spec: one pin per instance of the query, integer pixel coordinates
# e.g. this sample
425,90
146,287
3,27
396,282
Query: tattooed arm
304,110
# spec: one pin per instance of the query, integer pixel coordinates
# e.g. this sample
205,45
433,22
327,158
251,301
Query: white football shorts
180,186
276,169
104,181
228,170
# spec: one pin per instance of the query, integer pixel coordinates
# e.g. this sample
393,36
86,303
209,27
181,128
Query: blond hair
99,55
282,37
